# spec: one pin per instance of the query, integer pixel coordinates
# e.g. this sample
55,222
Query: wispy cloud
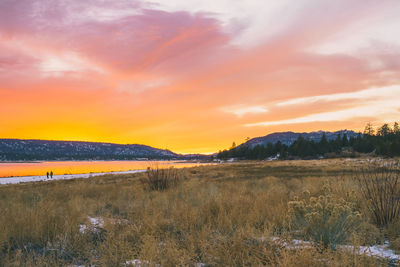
241,110
372,93
370,104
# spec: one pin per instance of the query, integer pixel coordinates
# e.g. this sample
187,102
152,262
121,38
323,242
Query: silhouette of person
51,174
47,175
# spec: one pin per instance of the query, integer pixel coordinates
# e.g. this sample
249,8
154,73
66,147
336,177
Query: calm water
76,167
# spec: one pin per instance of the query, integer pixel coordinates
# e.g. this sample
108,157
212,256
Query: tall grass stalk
380,187
161,179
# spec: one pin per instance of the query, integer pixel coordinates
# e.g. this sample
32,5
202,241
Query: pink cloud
11,59
142,41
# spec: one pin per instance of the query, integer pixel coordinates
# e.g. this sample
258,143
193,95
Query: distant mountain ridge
20,149
288,138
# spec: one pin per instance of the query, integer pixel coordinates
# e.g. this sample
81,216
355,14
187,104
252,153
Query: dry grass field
232,214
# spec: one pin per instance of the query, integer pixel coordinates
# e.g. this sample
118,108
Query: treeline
62,157
384,141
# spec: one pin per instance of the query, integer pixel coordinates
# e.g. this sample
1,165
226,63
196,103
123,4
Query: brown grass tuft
161,179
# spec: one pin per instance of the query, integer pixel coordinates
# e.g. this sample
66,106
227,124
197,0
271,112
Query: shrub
393,235
380,188
368,234
393,230
395,245
325,219
161,179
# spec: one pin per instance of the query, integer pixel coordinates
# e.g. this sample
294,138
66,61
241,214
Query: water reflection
76,167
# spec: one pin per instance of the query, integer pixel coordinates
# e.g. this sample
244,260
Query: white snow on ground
138,263
82,228
96,223
381,251
25,179
294,244
141,263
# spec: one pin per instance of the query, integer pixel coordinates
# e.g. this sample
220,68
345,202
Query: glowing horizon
193,76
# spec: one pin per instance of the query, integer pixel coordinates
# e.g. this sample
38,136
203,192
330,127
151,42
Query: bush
368,234
380,188
395,245
393,230
325,219
393,235
161,179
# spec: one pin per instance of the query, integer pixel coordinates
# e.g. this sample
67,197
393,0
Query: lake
8,169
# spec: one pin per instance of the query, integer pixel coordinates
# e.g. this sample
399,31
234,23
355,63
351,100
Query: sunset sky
193,76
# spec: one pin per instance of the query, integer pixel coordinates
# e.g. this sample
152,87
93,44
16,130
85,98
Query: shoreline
93,160
40,178
2,162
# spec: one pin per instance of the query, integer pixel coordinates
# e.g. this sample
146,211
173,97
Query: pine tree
233,145
384,130
369,129
345,140
396,129
323,145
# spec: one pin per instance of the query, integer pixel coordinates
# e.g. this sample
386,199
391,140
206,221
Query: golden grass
222,215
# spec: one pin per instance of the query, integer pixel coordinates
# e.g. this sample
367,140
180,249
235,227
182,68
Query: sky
193,76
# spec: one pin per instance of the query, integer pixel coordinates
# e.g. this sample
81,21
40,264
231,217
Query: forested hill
16,149
289,138
383,141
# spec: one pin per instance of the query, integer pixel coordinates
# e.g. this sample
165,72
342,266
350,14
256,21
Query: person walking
47,175
51,174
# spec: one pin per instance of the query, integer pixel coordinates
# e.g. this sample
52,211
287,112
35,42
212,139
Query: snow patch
96,223
139,263
381,251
